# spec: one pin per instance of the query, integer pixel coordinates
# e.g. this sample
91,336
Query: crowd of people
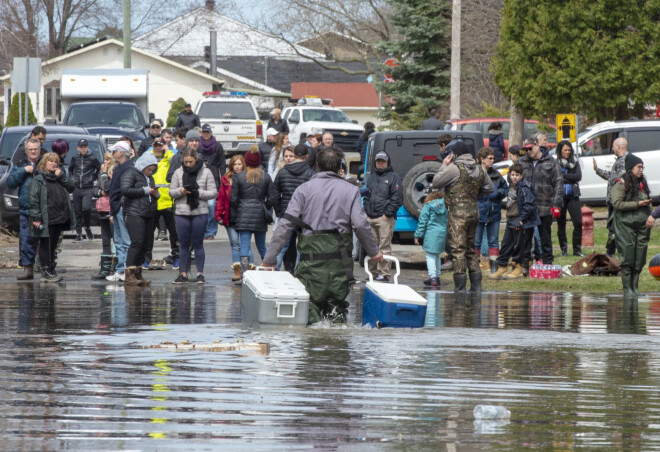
177,186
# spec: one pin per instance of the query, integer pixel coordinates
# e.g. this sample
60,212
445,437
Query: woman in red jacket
236,165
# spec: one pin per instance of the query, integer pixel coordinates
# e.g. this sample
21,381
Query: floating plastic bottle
491,412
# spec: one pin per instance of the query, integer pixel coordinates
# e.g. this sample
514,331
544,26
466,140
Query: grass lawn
592,284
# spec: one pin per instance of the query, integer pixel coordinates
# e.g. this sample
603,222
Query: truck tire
417,184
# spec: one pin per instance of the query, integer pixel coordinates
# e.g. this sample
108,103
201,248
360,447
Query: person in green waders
325,210
631,200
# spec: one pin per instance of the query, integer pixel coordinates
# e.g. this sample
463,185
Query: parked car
481,125
11,137
595,143
415,157
9,214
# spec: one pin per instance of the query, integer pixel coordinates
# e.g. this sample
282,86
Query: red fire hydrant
587,226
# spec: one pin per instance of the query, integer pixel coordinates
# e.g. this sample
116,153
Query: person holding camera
463,181
192,185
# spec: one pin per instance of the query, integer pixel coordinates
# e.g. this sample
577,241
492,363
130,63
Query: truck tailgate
232,131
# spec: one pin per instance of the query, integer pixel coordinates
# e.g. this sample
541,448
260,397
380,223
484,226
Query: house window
52,102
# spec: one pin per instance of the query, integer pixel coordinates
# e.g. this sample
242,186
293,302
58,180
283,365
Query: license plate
226,144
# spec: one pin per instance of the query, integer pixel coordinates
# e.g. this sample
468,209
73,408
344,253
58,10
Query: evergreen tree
598,58
177,106
13,115
423,51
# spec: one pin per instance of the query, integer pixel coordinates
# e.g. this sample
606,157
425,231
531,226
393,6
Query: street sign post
25,78
566,127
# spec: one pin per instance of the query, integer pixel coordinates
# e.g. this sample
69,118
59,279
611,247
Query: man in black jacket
289,178
154,132
432,122
187,118
83,170
382,200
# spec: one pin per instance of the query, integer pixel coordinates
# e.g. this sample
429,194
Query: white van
595,143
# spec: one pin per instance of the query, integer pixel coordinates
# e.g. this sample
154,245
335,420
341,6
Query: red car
481,125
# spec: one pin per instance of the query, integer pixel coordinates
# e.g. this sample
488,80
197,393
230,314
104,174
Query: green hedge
177,106
12,117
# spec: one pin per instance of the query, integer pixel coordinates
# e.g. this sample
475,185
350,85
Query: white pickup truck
233,118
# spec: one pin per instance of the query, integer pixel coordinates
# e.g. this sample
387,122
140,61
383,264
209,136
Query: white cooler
273,298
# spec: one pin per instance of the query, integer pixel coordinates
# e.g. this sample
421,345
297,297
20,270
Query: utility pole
455,80
214,53
127,34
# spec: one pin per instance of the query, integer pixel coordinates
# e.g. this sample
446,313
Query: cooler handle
401,308
263,269
387,258
293,309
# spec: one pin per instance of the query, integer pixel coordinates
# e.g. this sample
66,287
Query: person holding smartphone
192,186
631,200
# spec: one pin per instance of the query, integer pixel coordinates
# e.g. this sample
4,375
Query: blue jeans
492,232
28,244
122,240
280,257
259,240
433,264
235,244
212,225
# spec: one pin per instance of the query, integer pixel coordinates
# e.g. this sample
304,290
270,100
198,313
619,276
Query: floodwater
576,371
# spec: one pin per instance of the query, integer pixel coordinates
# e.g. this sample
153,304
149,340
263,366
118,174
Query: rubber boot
460,280
130,278
448,264
245,264
634,279
525,268
564,251
626,280
475,282
28,273
140,279
493,266
499,274
236,266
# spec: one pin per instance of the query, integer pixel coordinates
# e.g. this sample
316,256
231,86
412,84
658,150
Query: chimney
210,5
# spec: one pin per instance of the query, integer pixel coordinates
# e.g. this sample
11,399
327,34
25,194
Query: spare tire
417,184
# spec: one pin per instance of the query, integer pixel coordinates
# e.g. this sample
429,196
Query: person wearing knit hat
248,205
631,161
193,135
463,181
631,200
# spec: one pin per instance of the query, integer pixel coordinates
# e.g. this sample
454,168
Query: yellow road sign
566,127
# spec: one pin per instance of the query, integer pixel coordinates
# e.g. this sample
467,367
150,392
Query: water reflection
580,313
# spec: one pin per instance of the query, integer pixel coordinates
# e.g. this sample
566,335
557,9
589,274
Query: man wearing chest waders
325,210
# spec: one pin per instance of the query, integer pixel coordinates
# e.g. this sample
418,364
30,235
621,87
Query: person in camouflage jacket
620,150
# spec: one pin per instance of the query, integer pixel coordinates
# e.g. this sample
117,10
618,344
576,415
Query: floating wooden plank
219,346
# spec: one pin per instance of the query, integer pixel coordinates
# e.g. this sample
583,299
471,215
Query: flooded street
575,372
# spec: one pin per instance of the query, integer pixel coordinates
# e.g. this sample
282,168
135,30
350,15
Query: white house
168,80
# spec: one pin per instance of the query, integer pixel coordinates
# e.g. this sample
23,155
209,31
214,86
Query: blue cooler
392,305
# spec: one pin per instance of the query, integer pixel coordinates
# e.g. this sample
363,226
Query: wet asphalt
81,261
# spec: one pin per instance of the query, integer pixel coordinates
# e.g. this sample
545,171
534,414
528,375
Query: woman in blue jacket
490,208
